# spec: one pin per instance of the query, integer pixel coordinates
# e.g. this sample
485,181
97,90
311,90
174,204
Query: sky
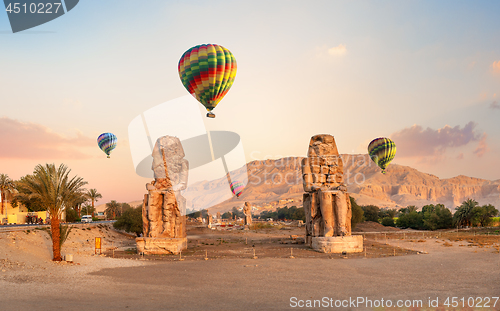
424,73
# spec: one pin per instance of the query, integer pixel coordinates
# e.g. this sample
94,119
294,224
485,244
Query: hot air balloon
382,150
237,188
207,71
107,142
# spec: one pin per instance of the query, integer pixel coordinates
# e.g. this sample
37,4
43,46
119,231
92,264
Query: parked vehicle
87,218
32,218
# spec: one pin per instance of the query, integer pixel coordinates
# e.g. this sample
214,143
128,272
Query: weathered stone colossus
209,220
247,210
326,202
163,209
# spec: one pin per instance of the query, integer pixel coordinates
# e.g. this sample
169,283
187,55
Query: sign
97,245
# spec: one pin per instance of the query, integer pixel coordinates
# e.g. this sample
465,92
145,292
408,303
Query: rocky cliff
272,181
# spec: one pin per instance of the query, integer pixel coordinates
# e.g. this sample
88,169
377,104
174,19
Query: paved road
22,227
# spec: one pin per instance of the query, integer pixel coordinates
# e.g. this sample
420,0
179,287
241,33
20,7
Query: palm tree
6,185
391,212
93,195
87,208
77,200
463,215
112,209
55,190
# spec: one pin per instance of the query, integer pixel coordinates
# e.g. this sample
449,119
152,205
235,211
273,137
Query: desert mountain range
273,183
278,183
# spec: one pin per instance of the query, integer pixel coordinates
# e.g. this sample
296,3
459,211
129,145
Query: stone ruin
326,202
218,217
209,220
247,210
164,208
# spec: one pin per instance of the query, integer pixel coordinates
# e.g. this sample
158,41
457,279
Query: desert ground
218,272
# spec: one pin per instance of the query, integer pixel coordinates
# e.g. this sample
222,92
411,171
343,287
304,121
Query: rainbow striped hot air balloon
237,188
382,150
107,142
207,71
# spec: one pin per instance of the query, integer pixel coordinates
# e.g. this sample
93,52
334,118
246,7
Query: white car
87,218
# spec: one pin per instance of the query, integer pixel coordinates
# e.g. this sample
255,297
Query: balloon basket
210,115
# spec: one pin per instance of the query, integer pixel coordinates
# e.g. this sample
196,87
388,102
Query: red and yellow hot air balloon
207,71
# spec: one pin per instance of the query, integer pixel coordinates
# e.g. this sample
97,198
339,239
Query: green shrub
370,212
357,213
130,221
388,222
71,215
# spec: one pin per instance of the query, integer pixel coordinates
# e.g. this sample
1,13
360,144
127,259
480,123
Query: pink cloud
496,66
494,105
482,147
419,142
460,156
34,141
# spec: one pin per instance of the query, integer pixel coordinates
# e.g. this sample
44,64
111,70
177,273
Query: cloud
496,66
34,141
494,105
419,142
460,156
339,50
482,147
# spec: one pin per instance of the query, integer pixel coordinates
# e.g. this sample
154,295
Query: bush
227,215
71,215
292,213
483,215
431,217
436,217
357,213
412,220
388,222
371,212
130,221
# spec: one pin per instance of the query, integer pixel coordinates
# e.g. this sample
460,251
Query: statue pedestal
338,244
161,246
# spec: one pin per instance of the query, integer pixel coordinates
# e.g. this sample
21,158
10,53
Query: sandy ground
231,280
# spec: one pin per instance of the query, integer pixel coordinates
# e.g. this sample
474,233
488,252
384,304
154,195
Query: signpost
97,245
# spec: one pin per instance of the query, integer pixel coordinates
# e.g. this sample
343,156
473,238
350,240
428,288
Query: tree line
433,217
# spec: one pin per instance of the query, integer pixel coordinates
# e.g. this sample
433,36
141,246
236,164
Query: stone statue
210,219
247,210
163,209
326,202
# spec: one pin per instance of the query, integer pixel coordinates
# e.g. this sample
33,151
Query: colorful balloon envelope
237,188
382,150
107,142
207,71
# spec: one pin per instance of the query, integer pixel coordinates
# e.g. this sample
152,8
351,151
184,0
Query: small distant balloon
107,142
237,188
207,71
382,150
